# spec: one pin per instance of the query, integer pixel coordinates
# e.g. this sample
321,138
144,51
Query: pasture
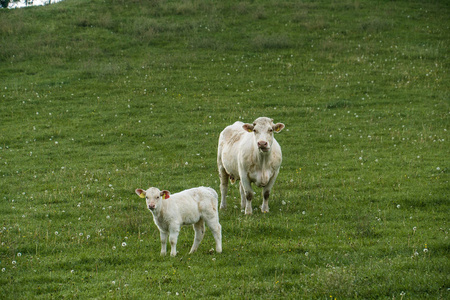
99,98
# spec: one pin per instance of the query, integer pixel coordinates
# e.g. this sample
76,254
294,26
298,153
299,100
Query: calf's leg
199,228
173,237
163,236
216,230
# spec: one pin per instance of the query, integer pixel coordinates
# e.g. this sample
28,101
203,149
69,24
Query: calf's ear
278,127
140,192
248,127
165,194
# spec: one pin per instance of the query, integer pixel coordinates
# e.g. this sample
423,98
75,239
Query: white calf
190,207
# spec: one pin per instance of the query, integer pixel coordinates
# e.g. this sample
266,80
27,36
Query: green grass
99,98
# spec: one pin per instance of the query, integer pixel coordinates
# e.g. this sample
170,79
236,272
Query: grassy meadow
99,98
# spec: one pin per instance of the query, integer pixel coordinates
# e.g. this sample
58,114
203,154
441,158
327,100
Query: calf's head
263,129
153,197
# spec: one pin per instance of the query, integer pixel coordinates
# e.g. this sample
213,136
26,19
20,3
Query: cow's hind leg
243,197
223,186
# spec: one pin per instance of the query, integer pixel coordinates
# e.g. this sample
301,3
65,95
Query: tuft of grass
376,25
262,42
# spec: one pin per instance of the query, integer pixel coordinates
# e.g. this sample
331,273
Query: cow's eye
270,129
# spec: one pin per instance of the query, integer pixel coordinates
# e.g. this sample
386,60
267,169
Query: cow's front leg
265,205
266,194
247,192
248,206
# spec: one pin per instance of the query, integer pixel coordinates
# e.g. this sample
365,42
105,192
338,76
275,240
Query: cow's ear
248,127
165,194
278,127
140,192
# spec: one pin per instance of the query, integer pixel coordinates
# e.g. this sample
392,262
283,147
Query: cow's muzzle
263,146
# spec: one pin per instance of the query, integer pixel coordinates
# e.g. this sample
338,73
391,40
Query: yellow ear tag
142,195
249,130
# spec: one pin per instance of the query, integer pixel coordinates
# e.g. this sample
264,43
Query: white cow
249,153
190,207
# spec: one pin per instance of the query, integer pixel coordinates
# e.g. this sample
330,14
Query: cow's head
263,129
153,197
